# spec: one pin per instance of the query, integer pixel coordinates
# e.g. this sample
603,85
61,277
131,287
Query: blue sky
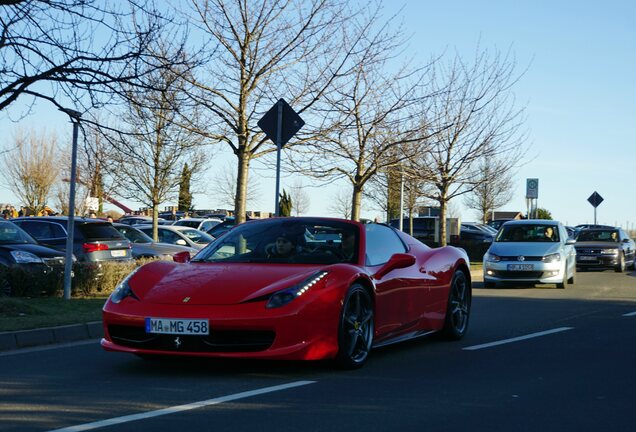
579,91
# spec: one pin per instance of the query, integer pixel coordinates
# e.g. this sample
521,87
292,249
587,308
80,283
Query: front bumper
540,273
597,260
302,331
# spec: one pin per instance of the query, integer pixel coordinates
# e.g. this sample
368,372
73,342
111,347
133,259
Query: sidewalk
50,335
76,332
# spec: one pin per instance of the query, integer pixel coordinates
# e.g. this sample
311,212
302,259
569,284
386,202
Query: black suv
94,240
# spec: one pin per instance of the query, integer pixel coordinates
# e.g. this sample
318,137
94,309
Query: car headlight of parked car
123,289
23,257
609,251
491,257
282,297
555,257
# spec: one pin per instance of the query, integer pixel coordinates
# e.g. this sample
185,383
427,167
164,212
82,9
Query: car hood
524,248
166,282
597,245
35,249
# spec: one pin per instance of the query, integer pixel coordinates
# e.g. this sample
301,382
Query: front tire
620,267
458,309
356,327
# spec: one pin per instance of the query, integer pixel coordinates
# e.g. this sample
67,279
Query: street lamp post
68,260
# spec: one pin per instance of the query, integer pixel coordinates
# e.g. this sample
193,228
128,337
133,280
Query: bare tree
371,113
225,188
299,198
83,51
259,51
31,168
341,204
151,153
474,109
495,189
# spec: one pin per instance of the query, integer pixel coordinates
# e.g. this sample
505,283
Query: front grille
588,251
216,341
525,258
518,274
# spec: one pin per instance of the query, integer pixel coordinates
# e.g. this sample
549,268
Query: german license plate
520,267
587,258
177,326
118,253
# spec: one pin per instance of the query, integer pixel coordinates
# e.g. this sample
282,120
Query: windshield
303,241
528,233
197,236
133,235
599,235
12,234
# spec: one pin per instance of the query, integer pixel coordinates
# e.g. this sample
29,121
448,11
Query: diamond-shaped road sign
290,124
595,199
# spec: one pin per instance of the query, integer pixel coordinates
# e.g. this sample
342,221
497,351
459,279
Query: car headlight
23,257
555,257
282,297
491,257
609,251
123,289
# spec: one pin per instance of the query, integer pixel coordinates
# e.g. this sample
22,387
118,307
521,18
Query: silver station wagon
531,251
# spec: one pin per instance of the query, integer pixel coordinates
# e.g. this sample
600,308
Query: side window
382,243
37,230
57,231
166,236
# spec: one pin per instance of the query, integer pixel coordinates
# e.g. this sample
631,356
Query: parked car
423,228
533,251
144,247
497,223
308,301
219,229
475,238
202,224
94,240
179,235
603,248
141,220
18,250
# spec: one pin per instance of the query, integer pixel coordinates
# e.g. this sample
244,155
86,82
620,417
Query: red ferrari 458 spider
292,288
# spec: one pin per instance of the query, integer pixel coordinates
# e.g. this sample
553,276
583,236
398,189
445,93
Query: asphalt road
535,359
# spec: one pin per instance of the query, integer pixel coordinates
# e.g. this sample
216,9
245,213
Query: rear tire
458,309
356,328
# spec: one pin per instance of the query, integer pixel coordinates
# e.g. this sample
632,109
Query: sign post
280,123
532,194
595,199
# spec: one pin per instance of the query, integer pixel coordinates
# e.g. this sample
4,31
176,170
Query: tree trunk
442,220
240,198
155,221
356,200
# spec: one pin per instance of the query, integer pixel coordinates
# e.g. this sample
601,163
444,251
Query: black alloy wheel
5,288
458,309
355,332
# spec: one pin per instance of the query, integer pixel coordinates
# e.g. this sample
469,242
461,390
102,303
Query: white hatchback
531,251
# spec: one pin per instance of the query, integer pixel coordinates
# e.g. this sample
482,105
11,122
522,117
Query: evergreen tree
285,204
185,196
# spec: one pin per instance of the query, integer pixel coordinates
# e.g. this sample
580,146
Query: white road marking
180,408
517,339
630,314
49,347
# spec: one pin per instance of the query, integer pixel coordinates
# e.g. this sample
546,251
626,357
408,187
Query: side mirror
181,242
397,261
626,240
181,257
570,241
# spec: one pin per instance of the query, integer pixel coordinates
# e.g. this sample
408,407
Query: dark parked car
604,247
144,247
94,240
423,228
497,223
18,250
475,238
141,220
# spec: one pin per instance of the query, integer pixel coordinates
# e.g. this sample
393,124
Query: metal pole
401,200
594,215
279,127
68,260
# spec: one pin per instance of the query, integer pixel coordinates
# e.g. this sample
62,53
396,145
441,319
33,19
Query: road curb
50,335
